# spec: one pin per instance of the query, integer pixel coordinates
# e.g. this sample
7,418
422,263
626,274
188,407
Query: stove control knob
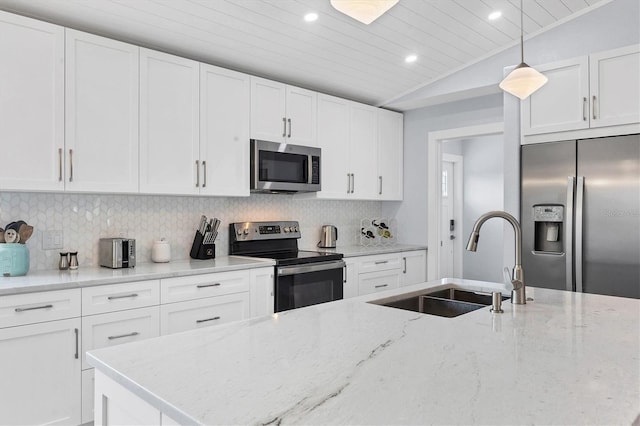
286,229
294,229
246,231
239,231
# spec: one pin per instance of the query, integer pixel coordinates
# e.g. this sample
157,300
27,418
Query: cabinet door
31,104
101,119
414,268
615,87
333,139
262,294
390,155
301,116
350,288
363,151
562,103
169,142
268,110
374,282
207,312
224,131
40,373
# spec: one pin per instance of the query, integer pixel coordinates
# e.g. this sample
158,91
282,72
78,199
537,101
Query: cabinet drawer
20,309
115,328
118,297
182,316
199,286
374,282
380,262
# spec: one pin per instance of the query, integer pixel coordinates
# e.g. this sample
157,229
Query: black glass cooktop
298,257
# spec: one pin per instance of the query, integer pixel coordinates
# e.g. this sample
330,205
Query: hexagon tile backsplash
84,219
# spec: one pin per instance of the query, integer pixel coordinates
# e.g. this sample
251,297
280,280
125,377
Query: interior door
608,242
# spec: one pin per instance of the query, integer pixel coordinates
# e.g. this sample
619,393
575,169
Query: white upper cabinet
31,104
363,151
224,131
101,100
281,113
594,91
333,139
615,87
390,155
169,141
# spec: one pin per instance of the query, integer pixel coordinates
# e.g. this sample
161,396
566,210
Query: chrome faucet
518,296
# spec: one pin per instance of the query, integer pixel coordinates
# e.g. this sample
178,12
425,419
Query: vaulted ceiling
335,54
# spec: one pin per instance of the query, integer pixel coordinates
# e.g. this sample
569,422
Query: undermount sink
449,302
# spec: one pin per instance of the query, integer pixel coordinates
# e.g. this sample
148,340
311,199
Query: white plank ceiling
335,54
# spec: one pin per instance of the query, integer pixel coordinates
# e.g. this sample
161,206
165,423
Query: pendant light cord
521,34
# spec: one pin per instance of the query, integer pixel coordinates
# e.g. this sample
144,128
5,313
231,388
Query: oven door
309,284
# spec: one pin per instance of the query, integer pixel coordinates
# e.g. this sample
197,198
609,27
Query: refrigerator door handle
578,232
571,188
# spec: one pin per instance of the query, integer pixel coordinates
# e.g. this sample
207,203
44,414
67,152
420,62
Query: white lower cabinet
262,292
414,268
207,312
374,282
40,381
88,385
350,288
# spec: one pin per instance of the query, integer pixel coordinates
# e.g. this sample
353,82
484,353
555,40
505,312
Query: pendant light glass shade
523,81
365,11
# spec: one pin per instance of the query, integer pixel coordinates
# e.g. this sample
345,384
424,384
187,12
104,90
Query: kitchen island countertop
563,358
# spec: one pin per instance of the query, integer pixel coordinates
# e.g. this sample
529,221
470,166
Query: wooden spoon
25,232
1,235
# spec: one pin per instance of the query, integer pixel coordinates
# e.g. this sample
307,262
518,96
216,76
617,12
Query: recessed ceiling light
410,58
310,17
495,15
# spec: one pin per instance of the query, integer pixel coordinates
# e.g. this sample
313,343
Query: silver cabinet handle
404,269
207,319
571,188
585,104
595,116
208,285
75,330
348,183
380,178
381,262
284,127
70,165
353,182
124,296
204,172
59,164
344,277
578,230
381,285
289,121
197,173
120,336
33,308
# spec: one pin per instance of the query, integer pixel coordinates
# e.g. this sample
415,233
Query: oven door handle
313,267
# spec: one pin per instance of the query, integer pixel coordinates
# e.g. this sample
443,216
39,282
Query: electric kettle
328,236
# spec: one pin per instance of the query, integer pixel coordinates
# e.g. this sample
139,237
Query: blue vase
14,260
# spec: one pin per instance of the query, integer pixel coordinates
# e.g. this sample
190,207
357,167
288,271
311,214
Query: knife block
202,251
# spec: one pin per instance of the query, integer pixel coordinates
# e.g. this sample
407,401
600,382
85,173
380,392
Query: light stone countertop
563,358
356,250
92,276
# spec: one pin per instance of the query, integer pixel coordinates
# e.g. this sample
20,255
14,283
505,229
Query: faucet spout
518,295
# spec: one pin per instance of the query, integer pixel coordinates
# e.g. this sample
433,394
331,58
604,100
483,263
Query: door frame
458,176
434,182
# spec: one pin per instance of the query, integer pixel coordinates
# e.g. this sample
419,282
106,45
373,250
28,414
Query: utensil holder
200,250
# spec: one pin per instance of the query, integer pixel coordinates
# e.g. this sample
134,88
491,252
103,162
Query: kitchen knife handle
284,127
70,165
585,104
578,232
289,121
204,172
197,173
59,164
568,241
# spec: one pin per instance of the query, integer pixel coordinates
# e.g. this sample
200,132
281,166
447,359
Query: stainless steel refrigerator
580,215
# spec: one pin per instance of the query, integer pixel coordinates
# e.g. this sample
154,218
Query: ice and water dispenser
548,221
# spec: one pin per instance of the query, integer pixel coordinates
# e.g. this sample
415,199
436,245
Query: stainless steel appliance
328,236
286,168
580,215
117,252
302,277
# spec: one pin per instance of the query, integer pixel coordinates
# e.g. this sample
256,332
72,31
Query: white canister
161,251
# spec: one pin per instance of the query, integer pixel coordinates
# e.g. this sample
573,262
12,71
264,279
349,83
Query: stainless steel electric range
302,277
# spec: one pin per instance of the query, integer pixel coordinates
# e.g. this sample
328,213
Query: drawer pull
380,262
382,285
208,285
77,344
120,336
33,308
207,319
124,296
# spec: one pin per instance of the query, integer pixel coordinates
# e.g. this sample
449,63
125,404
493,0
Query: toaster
117,252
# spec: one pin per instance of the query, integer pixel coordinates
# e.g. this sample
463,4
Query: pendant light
365,11
523,80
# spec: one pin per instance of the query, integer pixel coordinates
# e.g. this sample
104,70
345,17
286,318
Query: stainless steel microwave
282,167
